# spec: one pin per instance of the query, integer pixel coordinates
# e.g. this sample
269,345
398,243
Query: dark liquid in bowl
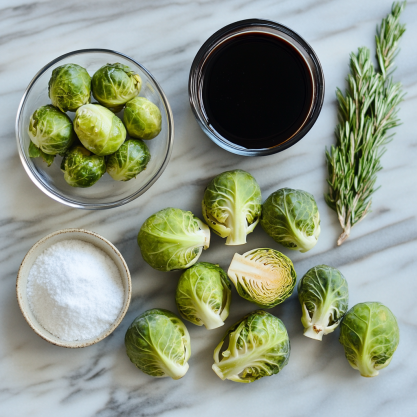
257,90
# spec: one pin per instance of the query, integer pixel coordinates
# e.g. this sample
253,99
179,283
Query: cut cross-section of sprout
263,276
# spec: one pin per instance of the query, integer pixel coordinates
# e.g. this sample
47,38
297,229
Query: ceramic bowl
67,234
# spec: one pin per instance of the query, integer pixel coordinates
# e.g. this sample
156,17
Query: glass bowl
198,69
106,193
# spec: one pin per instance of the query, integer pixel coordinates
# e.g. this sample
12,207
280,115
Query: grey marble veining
379,260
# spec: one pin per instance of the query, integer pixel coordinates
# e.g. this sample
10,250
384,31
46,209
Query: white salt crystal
75,290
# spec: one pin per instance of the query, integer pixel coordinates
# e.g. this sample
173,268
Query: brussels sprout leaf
35,152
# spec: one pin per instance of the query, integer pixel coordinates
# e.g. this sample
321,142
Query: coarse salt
75,290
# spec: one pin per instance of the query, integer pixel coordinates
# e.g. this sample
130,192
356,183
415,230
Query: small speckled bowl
46,242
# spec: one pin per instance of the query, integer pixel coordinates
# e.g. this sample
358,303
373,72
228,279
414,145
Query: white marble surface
379,260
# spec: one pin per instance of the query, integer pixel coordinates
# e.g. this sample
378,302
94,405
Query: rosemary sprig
367,111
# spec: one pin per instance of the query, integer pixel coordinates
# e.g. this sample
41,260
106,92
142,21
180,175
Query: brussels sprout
81,168
50,130
263,276
258,346
98,129
324,298
114,85
291,218
232,205
370,335
204,295
173,239
158,343
128,161
142,118
69,87
35,152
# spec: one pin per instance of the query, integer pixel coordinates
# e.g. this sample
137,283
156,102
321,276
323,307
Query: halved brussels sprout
291,218
232,205
158,343
370,335
114,85
142,118
258,346
263,276
204,295
50,130
69,87
128,161
98,129
81,168
173,239
324,297
35,152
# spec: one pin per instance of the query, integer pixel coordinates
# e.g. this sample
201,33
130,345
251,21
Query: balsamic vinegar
257,90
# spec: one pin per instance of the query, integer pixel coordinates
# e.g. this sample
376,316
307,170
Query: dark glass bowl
199,65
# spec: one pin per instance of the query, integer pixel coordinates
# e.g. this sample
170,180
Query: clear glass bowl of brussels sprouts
120,184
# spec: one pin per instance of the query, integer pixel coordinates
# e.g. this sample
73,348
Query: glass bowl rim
216,38
31,172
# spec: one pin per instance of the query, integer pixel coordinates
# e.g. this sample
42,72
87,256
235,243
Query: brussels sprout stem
314,333
317,331
205,231
174,370
366,367
252,270
235,360
210,319
304,242
318,325
233,366
238,228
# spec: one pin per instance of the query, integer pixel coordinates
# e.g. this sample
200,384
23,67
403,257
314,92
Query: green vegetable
158,343
35,152
232,205
367,111
204,295
98,129
263,276
291,218
173,239
50,130
128,161
142,118
69,87
370,335
81,168
324,297
114,85
257,346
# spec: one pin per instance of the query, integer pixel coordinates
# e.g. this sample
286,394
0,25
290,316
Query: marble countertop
379,260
